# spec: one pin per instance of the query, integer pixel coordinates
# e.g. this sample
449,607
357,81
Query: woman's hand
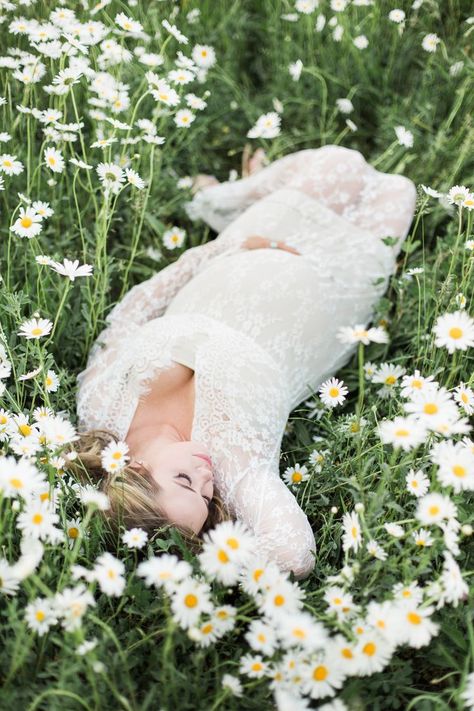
258,242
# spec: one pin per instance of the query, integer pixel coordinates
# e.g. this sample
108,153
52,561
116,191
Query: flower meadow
108,111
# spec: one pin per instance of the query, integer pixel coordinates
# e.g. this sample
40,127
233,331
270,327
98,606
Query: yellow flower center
299,633
261,637
40,615
347,653
16,483
190,600
205,629
334,392
279,600
390,379
256,666
257,573
73,532
455,332
433,510
297,476
402,433
354,532
37,518
26,222
430,408
416,384
232,543
37,331
369,649
414,618
459,471
25,429
320,673
222,556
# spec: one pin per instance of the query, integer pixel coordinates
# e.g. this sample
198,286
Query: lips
205,457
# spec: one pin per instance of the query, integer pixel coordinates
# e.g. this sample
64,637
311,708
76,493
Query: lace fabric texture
257,326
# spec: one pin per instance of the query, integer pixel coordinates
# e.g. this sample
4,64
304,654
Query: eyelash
190,482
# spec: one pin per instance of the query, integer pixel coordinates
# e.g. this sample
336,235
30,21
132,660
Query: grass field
107,112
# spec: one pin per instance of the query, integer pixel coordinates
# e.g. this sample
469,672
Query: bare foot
203,181
251,165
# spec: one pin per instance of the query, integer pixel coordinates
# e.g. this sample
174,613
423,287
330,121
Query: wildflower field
108,110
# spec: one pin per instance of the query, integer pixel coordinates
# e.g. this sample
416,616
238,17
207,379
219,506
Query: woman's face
186,481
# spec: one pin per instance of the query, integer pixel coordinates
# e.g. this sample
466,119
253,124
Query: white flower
423,537
396,15
40,615
414,626
134,179
404,432
375,549
457,195
127,23
306,6
405,137
173,30
464,395
108,571
114,456
468,693
456,465
54,159
174,237
111,176
430,42
361,41
434,507
267,126
295,68
10,165
417,482
295,475
71,269
233,684
35,328
28,224
135,538
189,600
333,392
165,570
359,334
204,55
90,496
184,118
71,604
345,106
394,529
352,536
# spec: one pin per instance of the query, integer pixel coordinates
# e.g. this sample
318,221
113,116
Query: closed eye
206,498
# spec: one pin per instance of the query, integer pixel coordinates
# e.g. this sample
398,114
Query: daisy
375,550
114,456
423,537
54,159
28,224
456,465
103,142
108,571
253,666
40,615
405,137
282,596
405,432
174,237
295,68
135,538
396,16
184,118
460,300
173,30
164,93
188,600
352,536
261,636
232,683
434,507
416,382
10,165
455,587
382,617
73,531
127,24
455,331
394,529
432,407
233,540
90,496
414,626
300,629
464,395
333,392
359,334
430,42
71,605
323,676
80,163
306,6
180,76
374,653
37,520
86,646
71,269
165,570
345,106
417,482
345,654
224,617
361,42
339,601
388,374
19,477
42,208
35,328
370,369
411,593
295,475
111,176
63,81
267,126
216,561
134,179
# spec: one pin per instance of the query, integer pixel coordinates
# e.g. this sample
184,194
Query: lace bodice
257,326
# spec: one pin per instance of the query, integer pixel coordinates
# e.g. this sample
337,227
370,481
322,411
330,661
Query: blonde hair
132,491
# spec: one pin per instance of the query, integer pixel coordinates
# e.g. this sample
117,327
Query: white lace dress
257,326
